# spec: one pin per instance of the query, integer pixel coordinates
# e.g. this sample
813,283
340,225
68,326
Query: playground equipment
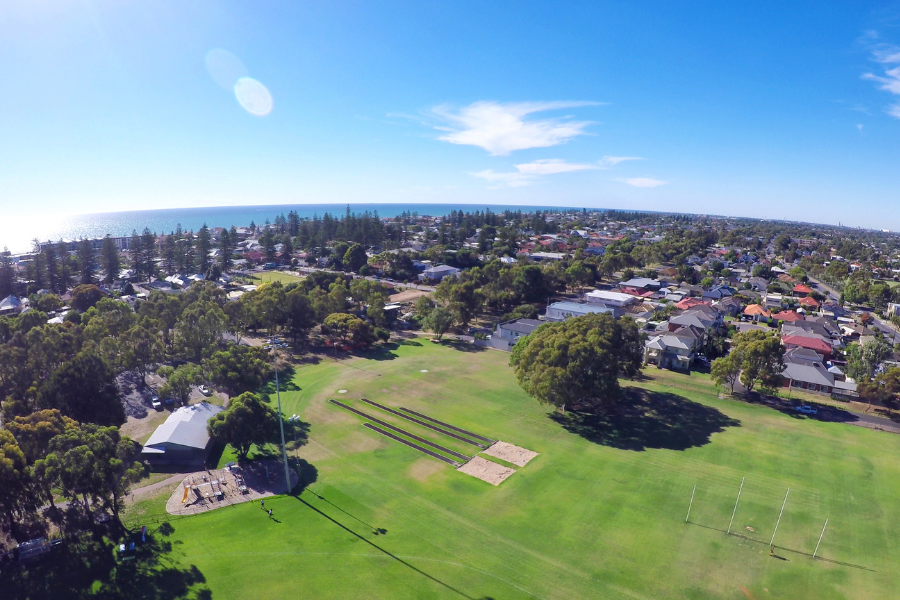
186,490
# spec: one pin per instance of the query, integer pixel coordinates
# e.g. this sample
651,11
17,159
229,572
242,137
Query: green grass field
268,276
598,514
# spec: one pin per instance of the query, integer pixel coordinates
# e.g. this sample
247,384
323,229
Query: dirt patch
209,490
424,468
408,296
140,428
486,470
511,454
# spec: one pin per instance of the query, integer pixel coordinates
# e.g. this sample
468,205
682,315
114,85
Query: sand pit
511,454
486,470
209,490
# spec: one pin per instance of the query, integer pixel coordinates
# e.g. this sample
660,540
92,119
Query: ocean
18,233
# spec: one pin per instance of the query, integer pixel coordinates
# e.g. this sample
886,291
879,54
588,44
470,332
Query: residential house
506,335
758,284
805,370
730,306
717,292
607,298
773,300
560,311
787,315
756,312
642,283
670,351
802,291
811,343
438,273
10,305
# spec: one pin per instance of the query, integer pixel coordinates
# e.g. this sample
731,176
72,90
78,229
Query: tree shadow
90,566
788,406
462,345
645,419
379,353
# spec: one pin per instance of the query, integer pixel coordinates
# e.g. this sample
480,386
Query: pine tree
86,261
203,248
111,264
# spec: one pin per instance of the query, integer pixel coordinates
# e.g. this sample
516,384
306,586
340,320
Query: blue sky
775,110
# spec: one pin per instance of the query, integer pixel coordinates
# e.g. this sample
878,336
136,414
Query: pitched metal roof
185,427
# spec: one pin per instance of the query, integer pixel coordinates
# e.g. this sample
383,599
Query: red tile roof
689,303
802,289
756,309
807,342
787,315
810,302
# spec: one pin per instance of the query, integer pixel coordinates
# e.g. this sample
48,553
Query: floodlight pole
772,541
820,539
690,505
735,506
287,472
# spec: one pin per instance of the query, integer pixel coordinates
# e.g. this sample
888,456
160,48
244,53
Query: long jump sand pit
510,453
486,470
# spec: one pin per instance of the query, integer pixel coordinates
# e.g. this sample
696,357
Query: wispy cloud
889,81
610,161
514,179
528,173
501,128
860,127
551,166
643,182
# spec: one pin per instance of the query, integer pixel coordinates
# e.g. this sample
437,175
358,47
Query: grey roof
525,326
663,342
185,427
809,373
442,269
10,303
580,307
641,282
696,319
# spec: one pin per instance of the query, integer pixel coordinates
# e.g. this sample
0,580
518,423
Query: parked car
154,401
807,410
169,401
204,390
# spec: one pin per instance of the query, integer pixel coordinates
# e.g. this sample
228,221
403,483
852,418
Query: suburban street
886,328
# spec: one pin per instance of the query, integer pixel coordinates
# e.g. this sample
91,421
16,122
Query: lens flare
253,96
224,67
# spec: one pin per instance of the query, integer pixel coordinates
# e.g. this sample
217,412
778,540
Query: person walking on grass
262,503
270,513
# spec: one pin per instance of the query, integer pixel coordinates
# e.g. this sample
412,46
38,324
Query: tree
203,247
140,348
200,329
65,267
248,420
86,261
761,358
15,479
863,360
344,326
91,461
179,381
238,368
84,388
726,370
110,256
225,242
85,296
7,274
438,321
578,361
355,257
338,251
